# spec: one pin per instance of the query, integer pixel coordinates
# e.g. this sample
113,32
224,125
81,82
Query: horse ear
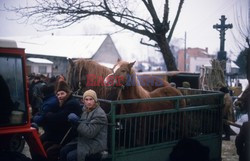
71,62
131,64
118,60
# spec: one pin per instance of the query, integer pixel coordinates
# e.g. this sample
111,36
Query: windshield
12,91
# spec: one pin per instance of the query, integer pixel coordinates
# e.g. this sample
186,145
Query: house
38,65
195,58
107,52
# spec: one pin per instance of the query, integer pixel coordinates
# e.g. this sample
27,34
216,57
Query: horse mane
92,67
78,71
139,89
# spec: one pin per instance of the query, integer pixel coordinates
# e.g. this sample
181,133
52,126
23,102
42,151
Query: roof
85,46
233,65
40,60
64,46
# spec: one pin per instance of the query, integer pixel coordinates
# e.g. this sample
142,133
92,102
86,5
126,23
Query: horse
84,74
124,77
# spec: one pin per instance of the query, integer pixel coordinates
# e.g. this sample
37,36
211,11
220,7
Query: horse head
122,73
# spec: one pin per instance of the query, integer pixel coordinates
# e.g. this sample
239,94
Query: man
227,112
242,142
91,128
37,97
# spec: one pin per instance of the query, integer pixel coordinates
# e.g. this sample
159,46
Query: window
12,101
197,68
42,69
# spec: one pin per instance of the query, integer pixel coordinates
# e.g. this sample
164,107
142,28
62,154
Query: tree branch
175,21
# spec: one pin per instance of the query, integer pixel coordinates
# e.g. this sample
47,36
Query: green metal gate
151,135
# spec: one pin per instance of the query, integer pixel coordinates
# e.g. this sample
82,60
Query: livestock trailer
148,136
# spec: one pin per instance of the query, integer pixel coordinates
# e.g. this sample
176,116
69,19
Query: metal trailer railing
148,136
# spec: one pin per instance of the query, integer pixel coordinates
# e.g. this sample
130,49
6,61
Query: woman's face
61,95
89,103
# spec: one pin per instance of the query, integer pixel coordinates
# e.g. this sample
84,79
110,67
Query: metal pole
185,51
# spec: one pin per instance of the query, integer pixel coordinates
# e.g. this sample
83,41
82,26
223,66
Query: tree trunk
167,53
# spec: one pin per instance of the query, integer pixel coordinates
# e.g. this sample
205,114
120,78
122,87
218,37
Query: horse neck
134,90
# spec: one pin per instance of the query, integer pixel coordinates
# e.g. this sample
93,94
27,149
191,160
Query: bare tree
63,13
243,26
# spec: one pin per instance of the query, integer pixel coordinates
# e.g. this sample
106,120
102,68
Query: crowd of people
72,129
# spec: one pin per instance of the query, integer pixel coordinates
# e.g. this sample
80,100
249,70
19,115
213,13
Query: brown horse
124,76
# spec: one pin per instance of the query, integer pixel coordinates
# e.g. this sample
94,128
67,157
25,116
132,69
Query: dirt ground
228,150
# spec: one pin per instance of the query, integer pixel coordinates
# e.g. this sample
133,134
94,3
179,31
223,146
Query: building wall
197,62
34,68
192,53
107,52
60,64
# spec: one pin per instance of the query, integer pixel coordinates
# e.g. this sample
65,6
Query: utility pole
222,54
185,51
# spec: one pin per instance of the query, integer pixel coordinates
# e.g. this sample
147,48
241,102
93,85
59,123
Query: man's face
61,95
89,103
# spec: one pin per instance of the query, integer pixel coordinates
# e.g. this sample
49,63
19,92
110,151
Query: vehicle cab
15,126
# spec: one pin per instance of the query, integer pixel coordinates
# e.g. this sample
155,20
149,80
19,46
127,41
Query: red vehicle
15,125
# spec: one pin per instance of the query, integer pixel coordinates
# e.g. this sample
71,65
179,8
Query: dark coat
57,123
50,104
242,142
37,101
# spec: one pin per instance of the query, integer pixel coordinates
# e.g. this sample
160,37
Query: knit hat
90,93
63,86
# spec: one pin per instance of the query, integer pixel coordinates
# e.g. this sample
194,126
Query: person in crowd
37,97
242,142
227,112
173,84
59,78
188,149
92,130
244,102
57,122
50,104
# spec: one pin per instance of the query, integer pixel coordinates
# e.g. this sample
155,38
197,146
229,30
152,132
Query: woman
92,131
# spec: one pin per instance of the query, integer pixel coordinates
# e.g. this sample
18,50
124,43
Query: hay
214,77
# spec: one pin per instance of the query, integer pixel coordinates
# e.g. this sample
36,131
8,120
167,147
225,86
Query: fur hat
90,93
63,86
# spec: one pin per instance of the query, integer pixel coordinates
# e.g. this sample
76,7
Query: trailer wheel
16,143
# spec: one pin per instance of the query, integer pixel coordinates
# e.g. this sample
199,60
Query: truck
15,114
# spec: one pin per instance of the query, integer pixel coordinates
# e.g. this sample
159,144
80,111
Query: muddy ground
228,150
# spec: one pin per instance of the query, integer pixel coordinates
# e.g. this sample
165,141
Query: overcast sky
197,19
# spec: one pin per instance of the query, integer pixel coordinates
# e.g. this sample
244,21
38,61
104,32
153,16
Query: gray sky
197,19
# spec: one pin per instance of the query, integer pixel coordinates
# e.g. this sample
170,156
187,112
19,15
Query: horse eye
123,71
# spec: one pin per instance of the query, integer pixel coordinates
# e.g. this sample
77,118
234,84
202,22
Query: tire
16,143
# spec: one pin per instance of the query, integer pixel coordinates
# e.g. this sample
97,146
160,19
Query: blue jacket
50,104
